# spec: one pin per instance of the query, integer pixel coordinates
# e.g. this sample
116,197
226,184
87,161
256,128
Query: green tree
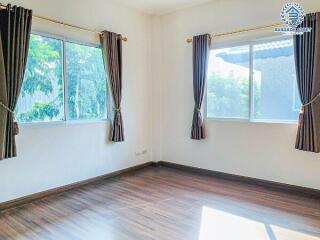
43,74
228,96
86,82
44,81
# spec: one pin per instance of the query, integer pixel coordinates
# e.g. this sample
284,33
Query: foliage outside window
255,81
228,84
42,94
41,97
86,82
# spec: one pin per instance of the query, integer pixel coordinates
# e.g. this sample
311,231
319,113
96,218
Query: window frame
249,118
66,120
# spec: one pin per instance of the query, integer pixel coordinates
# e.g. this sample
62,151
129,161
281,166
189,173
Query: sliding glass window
63,81
255,81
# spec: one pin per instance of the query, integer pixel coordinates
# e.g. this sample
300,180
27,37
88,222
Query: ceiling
159,7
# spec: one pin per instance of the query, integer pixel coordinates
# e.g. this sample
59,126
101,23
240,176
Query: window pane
86,82
275,92
228,83
41,97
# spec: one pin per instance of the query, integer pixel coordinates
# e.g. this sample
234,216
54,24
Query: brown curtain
112,52
201,48
15,28
307,59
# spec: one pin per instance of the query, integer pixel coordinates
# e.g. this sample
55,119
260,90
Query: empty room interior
159,120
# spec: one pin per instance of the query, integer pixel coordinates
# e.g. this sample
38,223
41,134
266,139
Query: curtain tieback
312,101
301,115
6,108
309,103
15,124
198,110
118,111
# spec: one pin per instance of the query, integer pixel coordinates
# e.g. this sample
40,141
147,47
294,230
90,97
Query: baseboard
275,186
30,198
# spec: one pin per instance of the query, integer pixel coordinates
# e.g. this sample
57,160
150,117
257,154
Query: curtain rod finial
189,40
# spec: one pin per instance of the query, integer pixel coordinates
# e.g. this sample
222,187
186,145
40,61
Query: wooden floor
162,203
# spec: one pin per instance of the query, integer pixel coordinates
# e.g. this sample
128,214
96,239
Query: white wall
55,155
264,151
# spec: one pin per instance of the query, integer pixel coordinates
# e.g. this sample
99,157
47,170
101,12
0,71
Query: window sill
36,125
242,120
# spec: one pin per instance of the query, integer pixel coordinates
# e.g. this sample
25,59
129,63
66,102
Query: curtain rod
214,35
125,39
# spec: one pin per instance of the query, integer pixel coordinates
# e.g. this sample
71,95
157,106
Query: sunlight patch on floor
220,225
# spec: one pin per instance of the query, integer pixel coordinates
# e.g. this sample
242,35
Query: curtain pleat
112,55
15,29
307,61
201,48
3,99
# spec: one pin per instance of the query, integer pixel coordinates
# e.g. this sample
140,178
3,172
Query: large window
254,81
63,81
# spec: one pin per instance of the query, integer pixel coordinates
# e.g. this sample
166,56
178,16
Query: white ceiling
159,7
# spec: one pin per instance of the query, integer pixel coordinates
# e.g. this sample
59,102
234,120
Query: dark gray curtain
201,48
307,59
15,28
112,52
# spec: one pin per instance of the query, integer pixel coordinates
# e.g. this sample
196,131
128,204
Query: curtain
307,60
112,54
201,48
15,28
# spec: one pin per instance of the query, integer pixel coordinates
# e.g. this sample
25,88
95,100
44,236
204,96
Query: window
41,97
63,81
86,82
255,81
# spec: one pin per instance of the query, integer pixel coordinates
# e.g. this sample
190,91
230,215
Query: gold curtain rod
214,35
125,39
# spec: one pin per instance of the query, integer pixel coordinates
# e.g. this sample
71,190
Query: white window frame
66,120
249,118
